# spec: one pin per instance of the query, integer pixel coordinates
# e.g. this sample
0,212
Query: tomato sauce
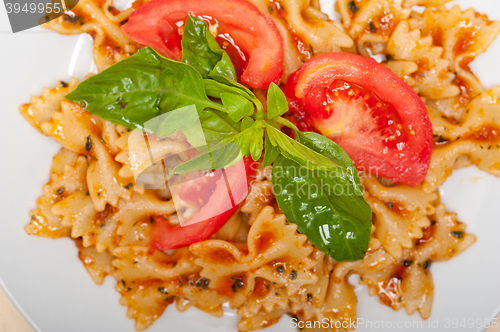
466,38
304,48
261,288
487,133
220,257
427,235
264,241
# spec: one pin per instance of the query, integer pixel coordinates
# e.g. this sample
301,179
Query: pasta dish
259,153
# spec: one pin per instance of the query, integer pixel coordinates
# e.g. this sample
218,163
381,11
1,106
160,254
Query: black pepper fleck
238,283
88,145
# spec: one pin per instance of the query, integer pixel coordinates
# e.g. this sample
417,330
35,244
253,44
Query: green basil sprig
142,87
326,204
233,123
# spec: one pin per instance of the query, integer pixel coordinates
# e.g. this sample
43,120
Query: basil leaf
217,126
250,130
289,124
169,123
333,151
296,151
323,204
277,104
244,140
270,152
201,50
257,143
215,157
243,91
237,107
214,89
224,68
247,123
140,88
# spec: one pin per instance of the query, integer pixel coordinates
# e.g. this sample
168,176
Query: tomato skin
306,89
165,236
254,32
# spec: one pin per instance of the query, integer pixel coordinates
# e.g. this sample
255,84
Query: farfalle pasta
257,261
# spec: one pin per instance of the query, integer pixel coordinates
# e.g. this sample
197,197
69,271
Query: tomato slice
200,190
157,24
371,113
165,236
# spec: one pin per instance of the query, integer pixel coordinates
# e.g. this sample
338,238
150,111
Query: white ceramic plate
51,288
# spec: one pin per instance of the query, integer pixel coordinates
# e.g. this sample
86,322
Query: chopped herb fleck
372,28
128,186
123,282
277,294
203,283
427,264
407,262
33,217
129,289
309,297
293,275
102,226
458,234
175,263
60,191
88,145
352,7
151,220
162,290
64,84
390,204
280,269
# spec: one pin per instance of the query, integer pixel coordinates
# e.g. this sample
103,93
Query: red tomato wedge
378,120
165,236
157,23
